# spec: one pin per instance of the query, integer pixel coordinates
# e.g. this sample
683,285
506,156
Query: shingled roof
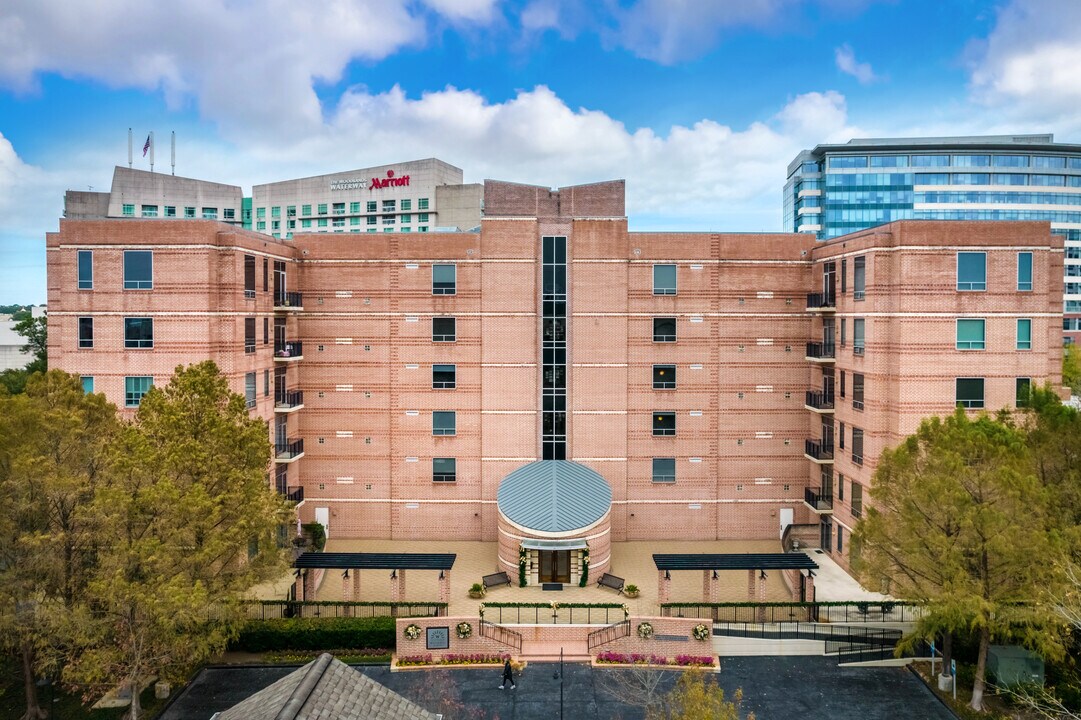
326,689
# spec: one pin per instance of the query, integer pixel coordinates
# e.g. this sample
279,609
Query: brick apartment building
557,382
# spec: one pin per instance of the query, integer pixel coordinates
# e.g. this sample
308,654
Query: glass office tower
837,189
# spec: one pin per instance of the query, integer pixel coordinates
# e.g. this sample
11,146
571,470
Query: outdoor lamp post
558,675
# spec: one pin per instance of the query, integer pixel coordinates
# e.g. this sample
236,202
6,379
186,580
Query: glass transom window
664,470
970,334
970,392
664,279
971,271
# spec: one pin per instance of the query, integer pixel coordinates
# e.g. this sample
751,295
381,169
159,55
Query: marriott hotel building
553,377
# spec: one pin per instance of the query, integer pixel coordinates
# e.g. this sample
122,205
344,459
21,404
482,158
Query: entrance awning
575,544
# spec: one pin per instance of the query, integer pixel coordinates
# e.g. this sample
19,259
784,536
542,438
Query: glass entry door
555,566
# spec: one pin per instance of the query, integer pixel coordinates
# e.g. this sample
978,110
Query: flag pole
129,148
174,152
151,151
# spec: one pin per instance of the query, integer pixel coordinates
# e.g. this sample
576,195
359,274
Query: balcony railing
820,502
288,350
819,400
288,300
821,351
818,450
821,301
289,450
288,399
295,494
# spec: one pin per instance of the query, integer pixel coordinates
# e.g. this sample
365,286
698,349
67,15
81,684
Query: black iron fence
772,613
288,399
818,500
821,350
544,614
281,609
291,448
818,449
288,349
819,400
288,299
821,300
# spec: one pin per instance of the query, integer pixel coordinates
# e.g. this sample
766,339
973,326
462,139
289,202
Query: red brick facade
742,327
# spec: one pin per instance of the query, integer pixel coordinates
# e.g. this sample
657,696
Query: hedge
549,605
850,603
315,634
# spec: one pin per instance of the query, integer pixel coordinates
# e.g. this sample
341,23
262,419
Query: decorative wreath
700,632
412,631
645,630
464,630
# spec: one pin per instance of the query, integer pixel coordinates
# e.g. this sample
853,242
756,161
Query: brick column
444,586
714,587
394,587
752,585
346,590
401,586
762,598
298,586
809,585
309,585
664,586
356,584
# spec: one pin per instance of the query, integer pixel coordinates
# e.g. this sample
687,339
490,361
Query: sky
699,104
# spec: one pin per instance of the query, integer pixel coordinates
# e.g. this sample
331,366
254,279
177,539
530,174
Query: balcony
288,302
288,401
295,494
819,402
288,350
821,302
821,352
818,452
291,450
819,502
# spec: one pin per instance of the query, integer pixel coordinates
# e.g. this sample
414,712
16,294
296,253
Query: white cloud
845,58
1026,69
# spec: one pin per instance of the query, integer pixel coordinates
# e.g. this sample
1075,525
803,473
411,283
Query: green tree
696,697
53,445
1071,368
13,381
194,525
35,331
960,522
1054,441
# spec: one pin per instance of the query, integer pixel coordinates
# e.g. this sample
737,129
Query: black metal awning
376,561
735,561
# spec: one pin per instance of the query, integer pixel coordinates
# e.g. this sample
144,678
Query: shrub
316,633
350,657
630,588
415,659
317,533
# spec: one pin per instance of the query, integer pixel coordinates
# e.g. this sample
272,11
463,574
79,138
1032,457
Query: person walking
508,676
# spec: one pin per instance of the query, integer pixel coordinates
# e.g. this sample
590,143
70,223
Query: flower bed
615,658
453,659
349,657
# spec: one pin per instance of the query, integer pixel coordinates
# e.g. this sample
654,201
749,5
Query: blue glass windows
138,270
1024,271
971,271
86,269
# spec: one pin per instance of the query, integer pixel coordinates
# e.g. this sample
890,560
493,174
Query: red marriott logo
389,181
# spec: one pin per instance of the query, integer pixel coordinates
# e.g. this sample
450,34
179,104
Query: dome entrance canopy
554,496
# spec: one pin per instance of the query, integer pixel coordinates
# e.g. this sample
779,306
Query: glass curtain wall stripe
554,348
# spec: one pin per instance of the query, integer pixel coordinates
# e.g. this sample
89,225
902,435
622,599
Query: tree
696,697
194,524
1054,440
640,686
35,330
53,445
960,522
13,381
1071,368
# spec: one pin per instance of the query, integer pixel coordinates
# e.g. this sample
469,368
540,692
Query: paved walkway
832,583
805,688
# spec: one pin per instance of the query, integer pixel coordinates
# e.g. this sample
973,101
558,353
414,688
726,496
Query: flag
146,146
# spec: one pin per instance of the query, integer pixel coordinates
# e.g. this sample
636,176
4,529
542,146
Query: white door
322,516
786,518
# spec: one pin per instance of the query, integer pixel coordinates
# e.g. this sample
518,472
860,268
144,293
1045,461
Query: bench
499,578
611,581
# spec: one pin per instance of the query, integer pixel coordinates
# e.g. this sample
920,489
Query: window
1011,161
276,211
859,277
889,161
249,335
443,377
1024,334
422,217
444,469
372,220
372,206
266,383
422,228
388,205
260,225
339,222
664,329
86,332
444,280
291,211
664,423
444,329
129,210
210,213
443,422
422,204
664,279
827,380
249,276
844,328
322,222
857,446
338,208
150,210
664,377
1044,161
406,218
305,209
1024,271
970,334
970,392
322,209
664,470
266,331
971,271
840,487
134,389
138,270
260,213
88,384
388,220
858,335
852,161
86,269
1022,390
930,160
189,212
249,389
857,391
857,499
305,223
139,332
844,275
840,435
840,538
406,205
971,160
